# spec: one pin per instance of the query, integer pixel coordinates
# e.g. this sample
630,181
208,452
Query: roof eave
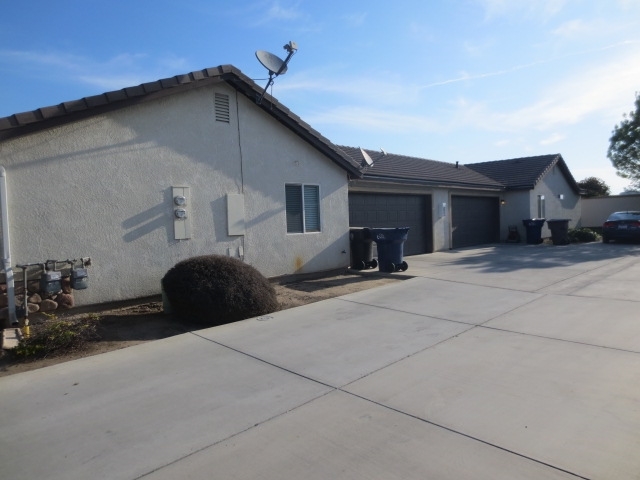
429,183
67,112
277,110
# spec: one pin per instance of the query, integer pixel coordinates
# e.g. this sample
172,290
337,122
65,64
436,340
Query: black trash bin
559,231
361,245
390,243
534,230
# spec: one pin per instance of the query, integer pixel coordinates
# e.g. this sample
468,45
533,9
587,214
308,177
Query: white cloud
370,119
554,138
122,70
544,9
355,19
380,88
420,32
276,12
572,28
601,90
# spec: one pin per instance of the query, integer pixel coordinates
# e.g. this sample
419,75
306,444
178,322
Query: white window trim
541,206
304,220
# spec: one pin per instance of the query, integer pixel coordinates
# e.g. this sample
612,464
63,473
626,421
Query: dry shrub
214,289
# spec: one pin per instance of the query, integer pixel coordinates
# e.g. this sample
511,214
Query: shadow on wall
145,222
134,136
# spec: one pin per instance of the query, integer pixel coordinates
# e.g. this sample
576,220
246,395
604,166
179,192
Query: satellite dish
366,157
274,64
271,62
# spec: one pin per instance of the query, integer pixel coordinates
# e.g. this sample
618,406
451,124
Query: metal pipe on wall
6,247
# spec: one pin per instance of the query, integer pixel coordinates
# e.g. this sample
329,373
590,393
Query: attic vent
222,107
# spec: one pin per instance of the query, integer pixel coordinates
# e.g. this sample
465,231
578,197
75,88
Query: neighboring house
536,187
451,205
108,177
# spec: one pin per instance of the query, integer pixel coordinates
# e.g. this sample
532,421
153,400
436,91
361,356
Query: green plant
214,289
58,336
582,235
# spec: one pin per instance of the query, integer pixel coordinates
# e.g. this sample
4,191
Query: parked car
621,226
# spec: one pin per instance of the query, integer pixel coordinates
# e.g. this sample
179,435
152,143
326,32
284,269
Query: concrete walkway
505,362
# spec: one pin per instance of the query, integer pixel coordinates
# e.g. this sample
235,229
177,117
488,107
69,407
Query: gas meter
51,281
79,278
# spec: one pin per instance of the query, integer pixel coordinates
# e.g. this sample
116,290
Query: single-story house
141,178
452,205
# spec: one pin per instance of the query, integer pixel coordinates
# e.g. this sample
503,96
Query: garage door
475,220
391,210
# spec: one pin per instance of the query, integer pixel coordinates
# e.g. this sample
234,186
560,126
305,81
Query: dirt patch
134,324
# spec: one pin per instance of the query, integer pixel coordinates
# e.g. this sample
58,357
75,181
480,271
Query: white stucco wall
552,186
441,215
515,209
101,187
273,157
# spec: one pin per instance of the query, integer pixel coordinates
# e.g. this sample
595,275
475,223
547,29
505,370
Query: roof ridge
531,157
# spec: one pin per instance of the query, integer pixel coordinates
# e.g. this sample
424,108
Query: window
541,209
303,208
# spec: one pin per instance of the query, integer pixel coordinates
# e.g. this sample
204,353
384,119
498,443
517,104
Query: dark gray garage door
378,210
475,220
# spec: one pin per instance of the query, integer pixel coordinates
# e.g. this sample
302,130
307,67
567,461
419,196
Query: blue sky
467,80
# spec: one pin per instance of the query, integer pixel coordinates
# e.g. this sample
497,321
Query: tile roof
388,166
525,172
511,174
46,117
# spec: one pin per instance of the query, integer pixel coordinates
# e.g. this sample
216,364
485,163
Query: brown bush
215,289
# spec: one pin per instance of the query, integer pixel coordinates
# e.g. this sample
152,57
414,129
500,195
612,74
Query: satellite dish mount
275,65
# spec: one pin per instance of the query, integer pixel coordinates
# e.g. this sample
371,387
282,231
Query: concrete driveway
505,362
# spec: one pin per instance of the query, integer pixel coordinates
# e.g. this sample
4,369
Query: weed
58,336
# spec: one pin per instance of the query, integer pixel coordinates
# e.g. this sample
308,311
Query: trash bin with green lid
390,243
559,230
361,245
534,230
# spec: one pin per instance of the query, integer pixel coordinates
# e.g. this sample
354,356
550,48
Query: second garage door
475,220
376,210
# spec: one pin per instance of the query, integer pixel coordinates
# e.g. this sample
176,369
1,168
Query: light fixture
503,201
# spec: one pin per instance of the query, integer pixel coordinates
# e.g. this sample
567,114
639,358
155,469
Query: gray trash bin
559,230
361,244
534,230
390,243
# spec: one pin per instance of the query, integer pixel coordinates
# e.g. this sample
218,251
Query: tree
624,146
594,187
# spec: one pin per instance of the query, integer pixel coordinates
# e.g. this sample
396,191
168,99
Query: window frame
541,207
304,208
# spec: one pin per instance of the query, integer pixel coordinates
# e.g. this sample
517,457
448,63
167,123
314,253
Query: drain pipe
6,248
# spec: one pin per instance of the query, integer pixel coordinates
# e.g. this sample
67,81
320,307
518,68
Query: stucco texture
102,187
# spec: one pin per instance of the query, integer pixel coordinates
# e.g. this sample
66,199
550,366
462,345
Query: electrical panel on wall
235,214
181,198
